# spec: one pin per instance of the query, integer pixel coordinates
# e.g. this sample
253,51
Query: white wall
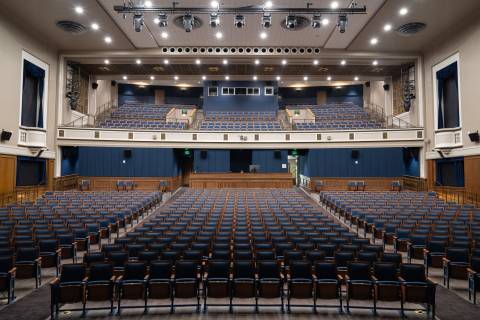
14,39
100,96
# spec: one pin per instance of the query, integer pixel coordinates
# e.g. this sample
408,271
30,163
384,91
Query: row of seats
241,115
142,124
241,125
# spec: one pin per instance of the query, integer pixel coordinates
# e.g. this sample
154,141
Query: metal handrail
91,121
388,121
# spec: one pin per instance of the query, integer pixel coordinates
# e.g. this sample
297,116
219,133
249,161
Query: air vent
159,68
71,26
411,28
322,69
213,69
197,22
302,23
268,69
104,69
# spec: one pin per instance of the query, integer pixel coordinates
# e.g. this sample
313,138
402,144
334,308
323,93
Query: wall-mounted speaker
94,85
114,83
386,87
5,135
127,153
277,154
367,84
203,154
474,136
355,154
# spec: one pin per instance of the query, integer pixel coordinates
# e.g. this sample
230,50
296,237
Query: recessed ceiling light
152,78
95,26
315,62
387,27
106,61
278,78
175,77
255,78
138,61
356,78
79,10
257,62
334,5
156,21
263,35
108,39
219,35
164,35
343,62
374,62
125,77
204,77
268,4
214,4
225,61
403,11
148,4
373,41
166,61
305,78
198,61
329,78
325,21
284,62
227,78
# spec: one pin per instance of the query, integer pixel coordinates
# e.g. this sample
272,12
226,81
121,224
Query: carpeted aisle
34,306
452,307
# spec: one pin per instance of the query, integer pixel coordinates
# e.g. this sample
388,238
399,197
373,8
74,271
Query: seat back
72,272
160,270
101,272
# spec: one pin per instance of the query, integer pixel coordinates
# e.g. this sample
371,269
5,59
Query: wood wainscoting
142,183
240,180
8,173
339,184
472,174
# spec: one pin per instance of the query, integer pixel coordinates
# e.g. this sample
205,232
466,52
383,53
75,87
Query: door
321,97
159,96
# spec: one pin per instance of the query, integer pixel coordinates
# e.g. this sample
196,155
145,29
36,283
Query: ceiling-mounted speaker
474,136
5,135
114,83
277,154
127,153
203,154
94,85
355,154
386,87
367,84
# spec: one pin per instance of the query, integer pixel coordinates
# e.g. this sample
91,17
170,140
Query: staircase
199,117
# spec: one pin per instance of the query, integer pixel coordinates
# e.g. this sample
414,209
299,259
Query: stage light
342,23
225,61
255,78
138,61
356,78
214,20
188,22
267,20
214,4
162,20
315,62
138,22
175,77
316,21
305,78
204,78
325,21
329,78
374,62
227,78
334,5
387,27
290,22
239,21
403,11
343,62
268,4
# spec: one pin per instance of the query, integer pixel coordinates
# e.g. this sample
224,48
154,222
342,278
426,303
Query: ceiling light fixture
219,35
334,5
175,77
152,78
343,62
225,61
263,35
95,26
106,61
315,62
108,39
138,61
329,78
239,21
214,4
165,61
79,10
227,78
204,78
125,77
188,22
342,23
403,11
374,62
254,78
266,20
278,78
257,62
325,21
373,41
148,4
138,22
284,62
387,27
356,78
164,35
198,62
305,78
268,4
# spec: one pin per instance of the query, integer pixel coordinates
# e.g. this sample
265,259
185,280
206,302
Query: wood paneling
373,184
147,183
472,174
241,180
8,170
430,174
321,97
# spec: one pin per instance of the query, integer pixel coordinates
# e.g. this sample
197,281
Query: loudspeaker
6,135
127,153
386,87
203,154
114,83
355,154
94,85
277,154
474,136
367,84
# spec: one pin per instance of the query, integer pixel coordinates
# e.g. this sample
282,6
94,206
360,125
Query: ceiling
41,16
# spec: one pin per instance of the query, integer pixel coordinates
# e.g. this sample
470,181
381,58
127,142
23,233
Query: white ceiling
39,16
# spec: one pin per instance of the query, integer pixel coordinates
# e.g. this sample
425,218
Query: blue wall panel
146,94
267,161
110,162
239,103
372,162
308,95
215,161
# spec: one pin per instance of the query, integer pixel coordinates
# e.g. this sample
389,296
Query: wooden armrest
339,278
58,251
401,279
55,281
445,260
146,277
13,271
471,271
119,278
347,277
112,279
425,251
85,279
374,278
38,260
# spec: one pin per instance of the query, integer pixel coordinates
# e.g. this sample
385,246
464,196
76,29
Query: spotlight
387,27
188,22
95,26
108,39
239,21
257,62
214,4
225,61
343,62
162,20
305,78
152,78
79,10
219,35
148,4
315,62
125,77
198,62
334,5
176,77
164,35
374,63
342,23
356,78
329,78
373,41
284,62
268,4
403,11
227,78
106,61
138,61
138,22
263,35
316,21
204,77
214,20
255,78
278,78
325,21
290,22
267,20
166,61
